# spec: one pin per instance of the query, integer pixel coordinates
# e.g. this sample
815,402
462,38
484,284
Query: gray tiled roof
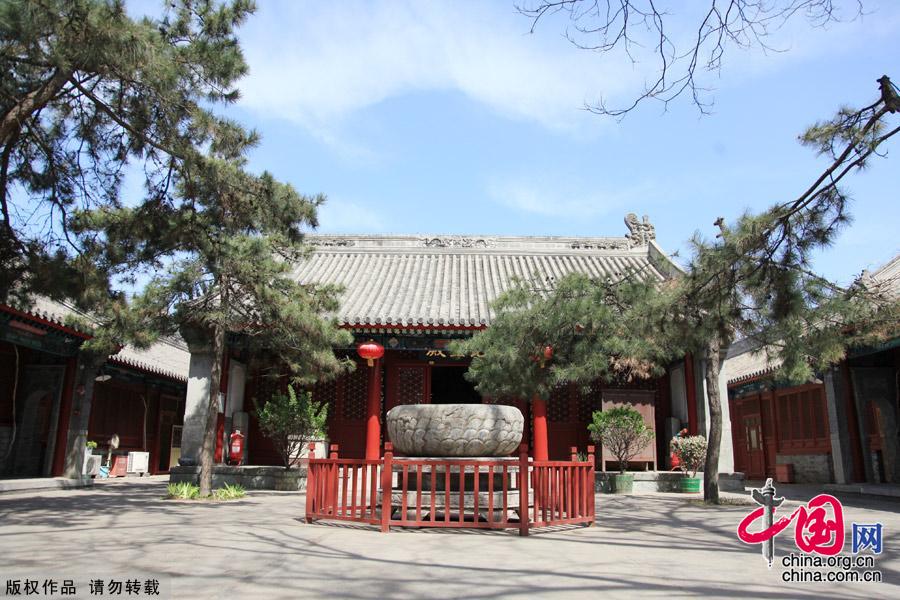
746,361
885,279
450,281
167,357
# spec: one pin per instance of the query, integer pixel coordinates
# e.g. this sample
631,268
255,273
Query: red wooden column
539,415
373,412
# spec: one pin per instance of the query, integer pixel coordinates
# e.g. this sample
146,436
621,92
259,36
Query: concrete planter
622,483
455,430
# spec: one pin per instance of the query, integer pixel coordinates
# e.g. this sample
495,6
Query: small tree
691,452
291,420
622,431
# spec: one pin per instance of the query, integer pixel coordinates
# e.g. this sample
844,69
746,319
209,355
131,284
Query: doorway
449,386
755,452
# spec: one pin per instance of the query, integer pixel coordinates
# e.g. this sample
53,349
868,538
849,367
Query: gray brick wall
809,468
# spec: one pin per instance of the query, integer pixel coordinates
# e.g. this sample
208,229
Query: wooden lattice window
589,400
355,392
802,420
410,385
558,406
326,391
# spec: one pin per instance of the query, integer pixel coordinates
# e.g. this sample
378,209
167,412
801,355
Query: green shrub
183,491
691,451
230,492
290,421
622,431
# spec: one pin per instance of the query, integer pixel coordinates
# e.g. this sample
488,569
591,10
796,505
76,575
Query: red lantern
548,352
371,351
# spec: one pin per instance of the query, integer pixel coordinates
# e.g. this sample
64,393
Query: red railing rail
497,493
420,492
563,491
342,489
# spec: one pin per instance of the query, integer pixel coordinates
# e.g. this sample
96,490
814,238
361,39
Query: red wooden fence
498,493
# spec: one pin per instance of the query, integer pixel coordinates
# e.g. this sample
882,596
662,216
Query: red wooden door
753,440
564,426
747,435
347,411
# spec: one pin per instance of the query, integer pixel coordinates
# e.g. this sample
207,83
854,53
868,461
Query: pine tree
88,92
551,333
755,279
228,242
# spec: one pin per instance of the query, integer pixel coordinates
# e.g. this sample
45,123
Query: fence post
574,453
590,487
524,517
310,484
387,482
333,478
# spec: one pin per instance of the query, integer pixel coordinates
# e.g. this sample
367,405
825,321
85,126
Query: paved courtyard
652,545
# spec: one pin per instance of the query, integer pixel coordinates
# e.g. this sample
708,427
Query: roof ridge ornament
456,241
641,232
340,242
601,244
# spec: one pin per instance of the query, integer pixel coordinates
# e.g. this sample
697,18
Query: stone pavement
647,545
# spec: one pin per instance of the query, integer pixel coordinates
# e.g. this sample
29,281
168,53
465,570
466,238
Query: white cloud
316,64
566,200
343,216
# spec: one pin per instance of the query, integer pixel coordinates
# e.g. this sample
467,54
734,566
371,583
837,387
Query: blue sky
421,117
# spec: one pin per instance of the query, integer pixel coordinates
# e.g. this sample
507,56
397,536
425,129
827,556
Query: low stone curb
44,483
248,477
664,481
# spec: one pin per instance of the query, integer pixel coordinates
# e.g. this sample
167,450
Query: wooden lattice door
563,426
407,384
347,418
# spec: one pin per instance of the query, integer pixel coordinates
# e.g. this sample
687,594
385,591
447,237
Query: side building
840,428
138,395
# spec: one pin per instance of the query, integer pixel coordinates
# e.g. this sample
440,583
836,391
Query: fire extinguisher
236,447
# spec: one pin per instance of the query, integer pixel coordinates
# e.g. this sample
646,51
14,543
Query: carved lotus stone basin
455,430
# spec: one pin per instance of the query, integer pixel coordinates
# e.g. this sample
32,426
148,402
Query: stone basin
455,430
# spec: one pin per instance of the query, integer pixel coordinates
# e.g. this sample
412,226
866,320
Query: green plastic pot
690,484
622,483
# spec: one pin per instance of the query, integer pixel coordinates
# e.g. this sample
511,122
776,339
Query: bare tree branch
606,26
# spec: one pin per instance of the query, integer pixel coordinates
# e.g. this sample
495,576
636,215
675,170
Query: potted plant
87,467
673,458
622,431
691,453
